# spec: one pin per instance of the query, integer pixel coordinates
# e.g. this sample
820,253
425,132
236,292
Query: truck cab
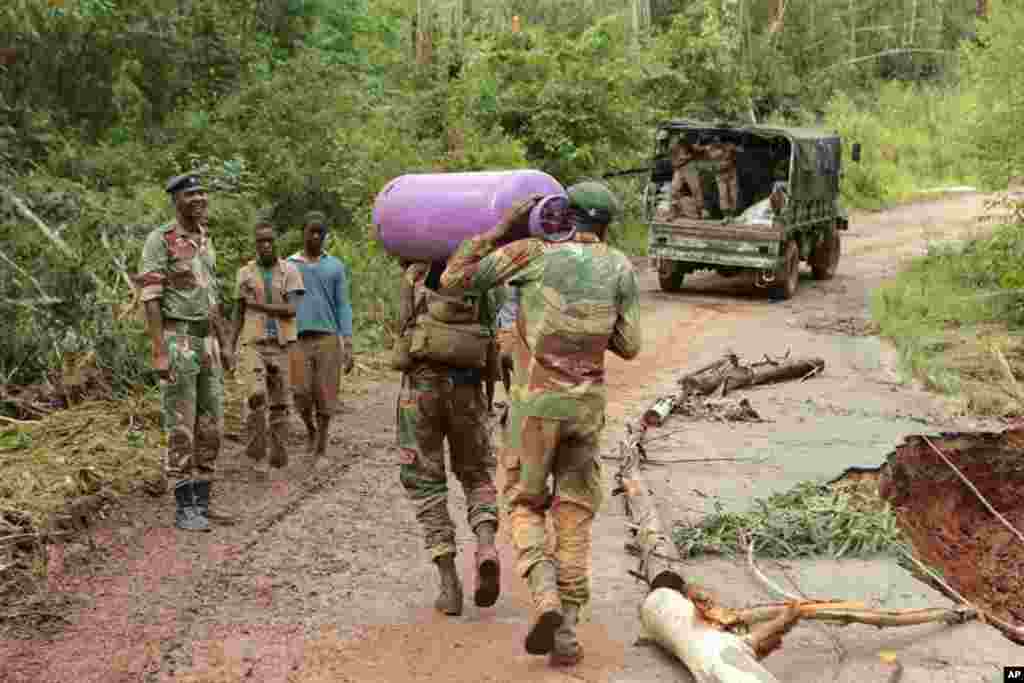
744,198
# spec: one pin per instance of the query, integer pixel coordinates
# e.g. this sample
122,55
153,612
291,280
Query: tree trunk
853,30
712,656
655,549
751,375
424,32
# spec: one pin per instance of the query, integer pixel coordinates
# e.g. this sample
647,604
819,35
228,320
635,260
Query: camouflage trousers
430,410
567,450
264,365
192,404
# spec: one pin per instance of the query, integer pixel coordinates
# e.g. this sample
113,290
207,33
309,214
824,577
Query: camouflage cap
184,182
594,200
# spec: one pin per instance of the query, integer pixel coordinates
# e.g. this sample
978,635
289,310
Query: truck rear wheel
670,275
825,257
788,276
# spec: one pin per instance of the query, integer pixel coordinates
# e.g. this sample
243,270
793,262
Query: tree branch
50,234
883,53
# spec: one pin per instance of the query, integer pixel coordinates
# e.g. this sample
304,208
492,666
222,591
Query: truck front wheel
670,275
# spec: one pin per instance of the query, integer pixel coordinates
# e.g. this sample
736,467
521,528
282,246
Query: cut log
656,550
740,376
711,655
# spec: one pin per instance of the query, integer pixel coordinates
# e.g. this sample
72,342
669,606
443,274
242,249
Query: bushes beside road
957,312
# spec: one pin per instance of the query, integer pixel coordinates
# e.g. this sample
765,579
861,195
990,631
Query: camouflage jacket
413,279
577,299
179,269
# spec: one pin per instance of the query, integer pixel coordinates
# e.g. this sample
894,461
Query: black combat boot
188,515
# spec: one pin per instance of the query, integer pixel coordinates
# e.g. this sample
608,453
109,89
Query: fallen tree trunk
669,617
739,376
724,375
711,655
656,550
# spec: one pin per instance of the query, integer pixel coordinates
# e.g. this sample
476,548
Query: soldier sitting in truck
687,195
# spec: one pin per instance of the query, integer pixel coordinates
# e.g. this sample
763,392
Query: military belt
193,328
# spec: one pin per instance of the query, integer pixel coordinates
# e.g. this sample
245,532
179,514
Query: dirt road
325,579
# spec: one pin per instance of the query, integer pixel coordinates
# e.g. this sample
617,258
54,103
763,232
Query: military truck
784,206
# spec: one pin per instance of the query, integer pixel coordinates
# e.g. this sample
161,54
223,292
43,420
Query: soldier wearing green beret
578,298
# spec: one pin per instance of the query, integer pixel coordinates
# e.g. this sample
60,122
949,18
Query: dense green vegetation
288,105
957,317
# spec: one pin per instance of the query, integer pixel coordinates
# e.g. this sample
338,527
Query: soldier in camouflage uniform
439,402
578,298
687,194
726,175
190,347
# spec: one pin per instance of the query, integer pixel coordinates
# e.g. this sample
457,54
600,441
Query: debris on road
723,644
702,393
811,519
729,373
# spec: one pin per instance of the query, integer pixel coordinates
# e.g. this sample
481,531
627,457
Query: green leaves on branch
808,520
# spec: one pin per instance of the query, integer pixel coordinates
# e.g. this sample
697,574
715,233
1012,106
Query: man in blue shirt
324,345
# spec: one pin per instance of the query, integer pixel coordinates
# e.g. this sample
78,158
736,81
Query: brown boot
488,569
543,580
449,601
567,650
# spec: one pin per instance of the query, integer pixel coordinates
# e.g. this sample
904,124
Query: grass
953,312
912,139
808,520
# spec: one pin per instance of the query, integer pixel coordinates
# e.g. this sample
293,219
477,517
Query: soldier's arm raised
626,337
478,266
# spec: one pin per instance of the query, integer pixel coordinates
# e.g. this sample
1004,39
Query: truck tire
670,275
788,276
825,257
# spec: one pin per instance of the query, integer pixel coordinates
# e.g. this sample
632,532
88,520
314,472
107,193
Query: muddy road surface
324,578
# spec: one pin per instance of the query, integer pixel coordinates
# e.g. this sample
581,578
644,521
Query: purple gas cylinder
425,216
